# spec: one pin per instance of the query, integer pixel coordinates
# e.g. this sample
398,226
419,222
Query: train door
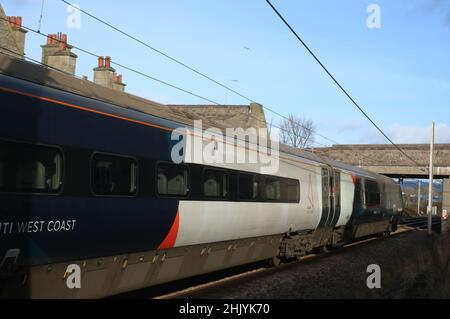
331,194
331,197
372,194
326,203
336,197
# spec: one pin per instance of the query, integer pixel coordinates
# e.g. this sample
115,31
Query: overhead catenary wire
179,62
124,66
13,53
120,65
41,16
338,84
58,70
156,79
195,70
170,85
156,50
176,116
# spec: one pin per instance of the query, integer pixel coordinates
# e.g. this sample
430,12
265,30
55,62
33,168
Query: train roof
41,75
331,162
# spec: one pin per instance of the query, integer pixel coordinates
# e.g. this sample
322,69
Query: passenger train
90,183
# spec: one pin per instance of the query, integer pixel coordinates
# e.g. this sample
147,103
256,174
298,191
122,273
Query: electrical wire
125,67
173,86
40,17
157,51
181,119
337,83
160,52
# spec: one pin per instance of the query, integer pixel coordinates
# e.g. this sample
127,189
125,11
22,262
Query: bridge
389,161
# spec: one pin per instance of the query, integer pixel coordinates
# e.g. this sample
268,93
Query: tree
297,132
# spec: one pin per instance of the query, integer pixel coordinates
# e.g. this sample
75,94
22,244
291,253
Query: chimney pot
57,53
51,39
63,42
12,21
101,62
19,22
108,62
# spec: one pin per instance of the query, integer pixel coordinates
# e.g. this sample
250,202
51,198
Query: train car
91,184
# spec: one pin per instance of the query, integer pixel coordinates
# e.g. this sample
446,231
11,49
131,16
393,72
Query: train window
293,191
26,168
172,180
215,184
248,187
271,189
114,175
373,197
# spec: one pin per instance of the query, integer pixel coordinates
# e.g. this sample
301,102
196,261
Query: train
92,184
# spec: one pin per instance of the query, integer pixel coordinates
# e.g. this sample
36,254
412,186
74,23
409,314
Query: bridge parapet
388,155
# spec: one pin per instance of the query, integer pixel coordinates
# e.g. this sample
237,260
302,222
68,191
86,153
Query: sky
399,73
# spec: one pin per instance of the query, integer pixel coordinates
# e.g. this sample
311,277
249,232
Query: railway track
420,222
201,290
201,285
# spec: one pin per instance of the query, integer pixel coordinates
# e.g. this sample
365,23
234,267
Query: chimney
105,75
108,62
118,84
18,32
101,62
50,48
57,53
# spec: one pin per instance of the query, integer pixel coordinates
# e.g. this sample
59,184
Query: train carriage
87,182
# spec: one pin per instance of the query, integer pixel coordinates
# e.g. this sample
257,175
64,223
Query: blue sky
400,74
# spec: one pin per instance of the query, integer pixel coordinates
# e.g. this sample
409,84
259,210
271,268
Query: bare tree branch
297,132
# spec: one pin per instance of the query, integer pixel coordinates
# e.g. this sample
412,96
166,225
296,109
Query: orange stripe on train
171,238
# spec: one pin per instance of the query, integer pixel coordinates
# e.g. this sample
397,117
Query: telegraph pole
430,189
418,198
